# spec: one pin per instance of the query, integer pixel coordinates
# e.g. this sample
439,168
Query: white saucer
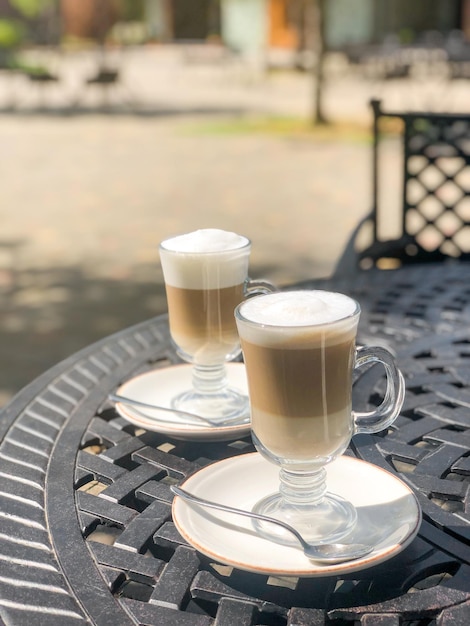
159,386
389,515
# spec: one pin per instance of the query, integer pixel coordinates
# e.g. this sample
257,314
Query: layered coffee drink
299,351
205,273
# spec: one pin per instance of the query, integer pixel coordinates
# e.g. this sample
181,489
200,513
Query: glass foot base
324,522
228,404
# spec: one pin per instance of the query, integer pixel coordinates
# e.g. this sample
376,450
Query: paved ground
86,197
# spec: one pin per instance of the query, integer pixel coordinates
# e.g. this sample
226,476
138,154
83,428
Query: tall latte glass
300,353
206,276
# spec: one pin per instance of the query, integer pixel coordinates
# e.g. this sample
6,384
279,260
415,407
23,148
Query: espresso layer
301,398
300,382
202,319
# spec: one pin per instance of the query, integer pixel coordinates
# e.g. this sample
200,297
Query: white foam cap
206,240
205,259
299,308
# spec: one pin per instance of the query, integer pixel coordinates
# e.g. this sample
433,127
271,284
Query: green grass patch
289,127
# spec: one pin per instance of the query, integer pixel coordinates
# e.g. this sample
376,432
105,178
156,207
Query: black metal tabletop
86,534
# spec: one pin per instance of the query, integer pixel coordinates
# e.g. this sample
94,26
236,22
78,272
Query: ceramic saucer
389,515
159,386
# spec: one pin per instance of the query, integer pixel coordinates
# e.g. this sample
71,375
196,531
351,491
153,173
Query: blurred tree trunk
318,114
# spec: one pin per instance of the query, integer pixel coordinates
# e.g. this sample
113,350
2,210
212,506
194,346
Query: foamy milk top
304,315
205,259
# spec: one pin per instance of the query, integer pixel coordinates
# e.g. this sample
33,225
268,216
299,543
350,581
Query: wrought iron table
86,535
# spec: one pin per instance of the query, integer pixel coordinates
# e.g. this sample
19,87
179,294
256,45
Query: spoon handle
114,397
229,509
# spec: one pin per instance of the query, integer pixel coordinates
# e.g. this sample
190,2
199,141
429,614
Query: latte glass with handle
206,277
300,352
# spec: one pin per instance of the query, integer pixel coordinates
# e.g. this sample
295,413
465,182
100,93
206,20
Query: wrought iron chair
435,195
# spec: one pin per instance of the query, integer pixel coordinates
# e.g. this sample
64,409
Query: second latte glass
206,277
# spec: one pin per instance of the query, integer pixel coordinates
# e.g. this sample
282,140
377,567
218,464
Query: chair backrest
434,220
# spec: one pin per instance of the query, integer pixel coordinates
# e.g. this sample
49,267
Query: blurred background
123,122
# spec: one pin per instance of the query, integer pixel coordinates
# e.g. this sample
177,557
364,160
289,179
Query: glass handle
257,287
389,409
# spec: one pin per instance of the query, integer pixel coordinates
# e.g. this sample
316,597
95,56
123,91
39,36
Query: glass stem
209,379
303,488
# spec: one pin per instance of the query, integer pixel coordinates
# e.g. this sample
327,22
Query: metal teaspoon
322,553
198,419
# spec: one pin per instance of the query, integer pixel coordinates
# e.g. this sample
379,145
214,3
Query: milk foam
299,314
205,259
298,308
205,240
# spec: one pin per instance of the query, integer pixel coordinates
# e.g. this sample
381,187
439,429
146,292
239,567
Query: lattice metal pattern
437,182
124,502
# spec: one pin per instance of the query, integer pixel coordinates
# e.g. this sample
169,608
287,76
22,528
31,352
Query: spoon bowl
321,553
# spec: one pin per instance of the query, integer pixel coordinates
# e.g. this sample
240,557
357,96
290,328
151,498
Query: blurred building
373,21
247,25
255,26
88,19
292,23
